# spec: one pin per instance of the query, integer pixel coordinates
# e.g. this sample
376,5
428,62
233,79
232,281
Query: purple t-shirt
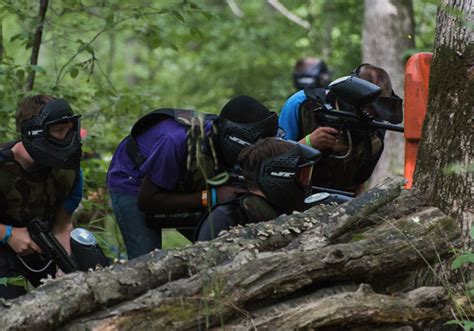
165,149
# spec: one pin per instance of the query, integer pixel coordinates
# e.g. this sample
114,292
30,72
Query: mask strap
356,70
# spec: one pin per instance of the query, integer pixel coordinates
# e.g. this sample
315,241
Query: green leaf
20,73
85,47
110,19
196,32
207,15
74,72
460,260
155,42
178,16
17,36
172,46
37,68
193,5
16,281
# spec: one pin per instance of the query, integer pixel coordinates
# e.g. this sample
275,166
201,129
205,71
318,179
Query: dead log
184,277
215,295
365,205
351,309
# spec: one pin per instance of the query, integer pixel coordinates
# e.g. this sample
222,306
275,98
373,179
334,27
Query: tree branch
37,43
235,8
289,15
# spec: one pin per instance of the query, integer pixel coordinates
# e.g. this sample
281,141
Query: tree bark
43,7
389,32
444,168
369,310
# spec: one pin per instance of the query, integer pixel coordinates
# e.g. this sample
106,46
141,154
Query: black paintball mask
387,108
233,135
285,179
316,75
46,149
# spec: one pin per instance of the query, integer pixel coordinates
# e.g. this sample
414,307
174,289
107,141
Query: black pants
11,266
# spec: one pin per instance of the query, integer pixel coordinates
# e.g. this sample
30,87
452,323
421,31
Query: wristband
8,234
307,140
204,198
213,197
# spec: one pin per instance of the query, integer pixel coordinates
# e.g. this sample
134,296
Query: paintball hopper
354,91
86,251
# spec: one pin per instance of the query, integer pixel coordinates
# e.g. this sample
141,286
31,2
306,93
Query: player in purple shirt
152,170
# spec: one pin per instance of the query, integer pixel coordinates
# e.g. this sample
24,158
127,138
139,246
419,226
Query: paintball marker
86,253
182,219
353,94
190,219
51,246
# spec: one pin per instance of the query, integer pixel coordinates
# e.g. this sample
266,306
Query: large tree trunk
388,32
445,161
375,239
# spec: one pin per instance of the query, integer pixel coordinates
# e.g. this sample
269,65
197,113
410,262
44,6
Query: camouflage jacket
25,195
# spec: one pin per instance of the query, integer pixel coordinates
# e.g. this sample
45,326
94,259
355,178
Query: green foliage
458,169
16,281
466,325
465,258
465,261
173,239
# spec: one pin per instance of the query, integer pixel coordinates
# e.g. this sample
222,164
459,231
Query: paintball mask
233,137
46,149
316,75
285,179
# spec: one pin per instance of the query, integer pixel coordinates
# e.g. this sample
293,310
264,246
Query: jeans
138,237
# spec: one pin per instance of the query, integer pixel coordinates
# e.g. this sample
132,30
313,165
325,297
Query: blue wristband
213,197
8,234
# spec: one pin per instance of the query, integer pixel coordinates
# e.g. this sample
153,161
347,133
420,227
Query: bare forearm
3,230
62,228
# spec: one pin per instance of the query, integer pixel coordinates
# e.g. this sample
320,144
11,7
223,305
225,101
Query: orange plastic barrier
417,75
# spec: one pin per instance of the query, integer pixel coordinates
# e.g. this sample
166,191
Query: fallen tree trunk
210,283
418,238
366,308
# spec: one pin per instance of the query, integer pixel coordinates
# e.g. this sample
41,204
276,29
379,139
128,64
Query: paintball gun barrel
328,116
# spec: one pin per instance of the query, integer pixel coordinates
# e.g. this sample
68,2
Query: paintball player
310,71
39,179
339,169
165,164
278,175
